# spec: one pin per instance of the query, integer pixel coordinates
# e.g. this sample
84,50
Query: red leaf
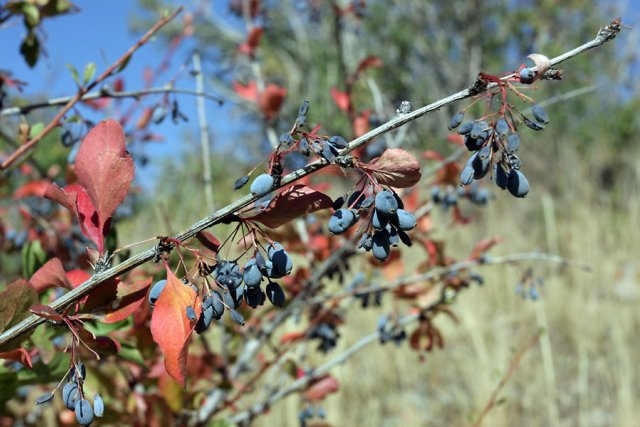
50,275
369,62
15,301
271,99
483,246
253,39
170,327
75,198
322,387
209,241
248,91
46,312
34,188
18,355
361,123
292,202
342,99
105,169
293,336
78,277
396,167
116,300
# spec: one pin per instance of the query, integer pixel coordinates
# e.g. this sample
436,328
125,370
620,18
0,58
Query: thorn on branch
163,249
480,85
552,74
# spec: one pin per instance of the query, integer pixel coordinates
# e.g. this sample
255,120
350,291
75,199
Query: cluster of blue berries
496,143
388,224
74,396
236,285
449,196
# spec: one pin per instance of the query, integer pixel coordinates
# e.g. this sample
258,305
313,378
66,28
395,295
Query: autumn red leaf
209,241
116,300
170,327
78,277
105,170
291,203
483,246
50,275
15,301
320,388
270,100
18,355
342,99
369,62
46,312
252,42
395,167
33,188
248,91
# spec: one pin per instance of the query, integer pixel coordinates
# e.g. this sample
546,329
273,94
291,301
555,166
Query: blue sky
100,33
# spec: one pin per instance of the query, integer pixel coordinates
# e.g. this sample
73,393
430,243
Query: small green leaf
33,257
36,129
30,49
74,73
31,15
89,72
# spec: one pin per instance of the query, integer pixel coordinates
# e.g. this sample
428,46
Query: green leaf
9,381
33,257
74,73
132,354
31,15
89,72
36,129
30,49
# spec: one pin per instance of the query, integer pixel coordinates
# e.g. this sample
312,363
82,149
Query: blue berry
98,405
381,248
386,203
191,313
456,120
156,290
275,294
240,182
70,394
406,220
262,185
513,143
341,220
84,412
539,113
527,75
251,274
517,184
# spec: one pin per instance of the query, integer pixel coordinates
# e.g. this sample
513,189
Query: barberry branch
604,35
105,92
83,90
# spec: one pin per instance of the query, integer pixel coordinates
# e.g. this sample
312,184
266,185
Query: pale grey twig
205,143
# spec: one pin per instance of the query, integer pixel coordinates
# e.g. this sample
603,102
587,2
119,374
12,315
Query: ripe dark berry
191,313
251,274
98,405
254,296
478,128
237,317
240,182
527,75
466,127
156,290
466,175
539,113
502,127
341,220
406,220
501,177
275,294
456,120
44,398
84,412
386,203
518,185
206,317
70,394
338,142
513,143
381,248
531,124
262,185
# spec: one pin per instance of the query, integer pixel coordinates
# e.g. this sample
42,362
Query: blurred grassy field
584,370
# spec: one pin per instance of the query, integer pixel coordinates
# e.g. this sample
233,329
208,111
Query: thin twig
83,90
107,93
205,144
149,254
515,362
